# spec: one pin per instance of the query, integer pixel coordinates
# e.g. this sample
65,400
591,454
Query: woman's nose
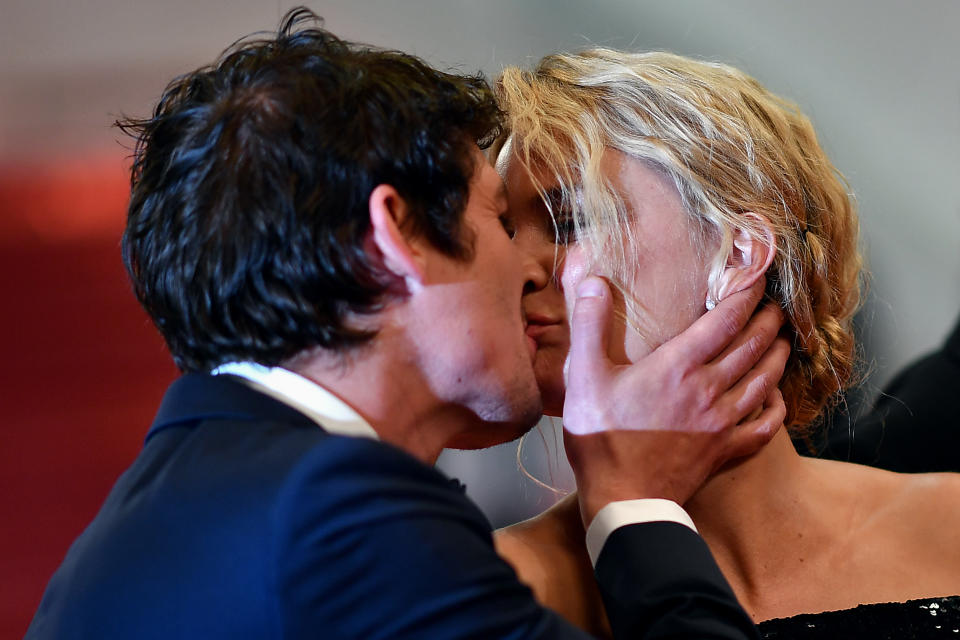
541,259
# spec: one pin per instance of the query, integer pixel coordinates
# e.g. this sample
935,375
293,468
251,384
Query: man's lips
541,327
540,331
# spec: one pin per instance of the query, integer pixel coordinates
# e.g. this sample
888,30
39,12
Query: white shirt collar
306,396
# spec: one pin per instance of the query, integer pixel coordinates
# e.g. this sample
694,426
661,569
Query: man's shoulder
218,518
275,480
270,461
213,427
350,483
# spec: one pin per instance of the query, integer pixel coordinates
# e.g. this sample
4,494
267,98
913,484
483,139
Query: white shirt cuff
619,514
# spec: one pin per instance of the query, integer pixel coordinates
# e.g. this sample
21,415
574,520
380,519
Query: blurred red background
83,368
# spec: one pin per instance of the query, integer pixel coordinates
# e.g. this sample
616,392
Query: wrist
595,497
630,512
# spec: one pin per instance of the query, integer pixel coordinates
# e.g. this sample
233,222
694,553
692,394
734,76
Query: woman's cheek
573,271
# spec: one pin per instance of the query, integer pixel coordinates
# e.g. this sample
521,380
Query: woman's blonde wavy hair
730,147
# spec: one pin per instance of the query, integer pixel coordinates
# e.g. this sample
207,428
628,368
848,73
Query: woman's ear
400,256
749,258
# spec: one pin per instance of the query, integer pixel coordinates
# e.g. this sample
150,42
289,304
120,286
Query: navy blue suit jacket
242,519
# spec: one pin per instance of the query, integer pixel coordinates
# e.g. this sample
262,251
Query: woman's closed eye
565,230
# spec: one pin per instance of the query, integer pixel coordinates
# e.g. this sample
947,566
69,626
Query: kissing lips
545,329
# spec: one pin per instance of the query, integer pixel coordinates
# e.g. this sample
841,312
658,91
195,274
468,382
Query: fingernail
590,288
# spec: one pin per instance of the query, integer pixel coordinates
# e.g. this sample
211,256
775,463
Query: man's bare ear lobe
388,211
750,257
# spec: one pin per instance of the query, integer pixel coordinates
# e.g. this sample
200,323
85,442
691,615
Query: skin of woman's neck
739,510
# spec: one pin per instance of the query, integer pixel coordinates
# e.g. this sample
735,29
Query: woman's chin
548,368
552,397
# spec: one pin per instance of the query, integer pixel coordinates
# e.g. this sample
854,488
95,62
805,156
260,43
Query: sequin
912,620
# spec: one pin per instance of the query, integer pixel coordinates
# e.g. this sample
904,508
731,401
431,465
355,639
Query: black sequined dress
924,618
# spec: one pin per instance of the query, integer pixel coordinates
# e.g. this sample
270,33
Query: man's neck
389,392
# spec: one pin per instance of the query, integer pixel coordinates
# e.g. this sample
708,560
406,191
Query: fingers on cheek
573,271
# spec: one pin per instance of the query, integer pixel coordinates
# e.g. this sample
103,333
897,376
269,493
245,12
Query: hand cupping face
660,426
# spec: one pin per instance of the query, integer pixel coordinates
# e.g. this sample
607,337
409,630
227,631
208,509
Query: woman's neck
759,517
748,486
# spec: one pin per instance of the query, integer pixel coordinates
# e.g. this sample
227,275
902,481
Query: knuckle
677,364
691,381
708,393
713,390
762,384
730,325
715,421
703,405
702,408
768,323
756,346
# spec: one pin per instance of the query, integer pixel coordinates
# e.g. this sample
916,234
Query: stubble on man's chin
489,431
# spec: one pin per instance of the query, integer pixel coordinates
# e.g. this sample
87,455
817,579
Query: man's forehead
489,182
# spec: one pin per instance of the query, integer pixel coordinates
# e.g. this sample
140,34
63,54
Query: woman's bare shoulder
916,527
549,556
922,498
931,500
536,545
919,507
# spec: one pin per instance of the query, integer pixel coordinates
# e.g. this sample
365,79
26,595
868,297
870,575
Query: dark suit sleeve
371,544
682,593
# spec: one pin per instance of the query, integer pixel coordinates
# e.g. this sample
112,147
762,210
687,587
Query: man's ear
748,260
388,211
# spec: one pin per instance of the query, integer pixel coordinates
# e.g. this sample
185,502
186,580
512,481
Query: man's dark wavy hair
250,189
